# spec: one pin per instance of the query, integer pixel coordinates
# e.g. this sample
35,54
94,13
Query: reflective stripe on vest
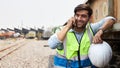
82,57
70,51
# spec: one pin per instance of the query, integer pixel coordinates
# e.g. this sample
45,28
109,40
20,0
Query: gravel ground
32,55
9,42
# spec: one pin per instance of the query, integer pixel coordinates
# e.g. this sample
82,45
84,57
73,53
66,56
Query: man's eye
84,16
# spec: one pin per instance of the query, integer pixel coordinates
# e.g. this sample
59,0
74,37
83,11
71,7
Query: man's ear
91,18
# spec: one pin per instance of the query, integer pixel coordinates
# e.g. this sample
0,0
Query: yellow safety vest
72,45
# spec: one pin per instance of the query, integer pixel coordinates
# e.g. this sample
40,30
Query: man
74,39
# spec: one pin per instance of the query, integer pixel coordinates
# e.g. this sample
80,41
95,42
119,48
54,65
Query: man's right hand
71,23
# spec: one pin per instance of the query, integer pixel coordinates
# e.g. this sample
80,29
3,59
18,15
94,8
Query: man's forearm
107,24
61,35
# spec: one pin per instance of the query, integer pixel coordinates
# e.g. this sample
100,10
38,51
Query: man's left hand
97,38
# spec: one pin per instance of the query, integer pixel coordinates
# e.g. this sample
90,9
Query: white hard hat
100,54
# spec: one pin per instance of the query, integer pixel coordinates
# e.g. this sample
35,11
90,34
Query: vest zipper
79,62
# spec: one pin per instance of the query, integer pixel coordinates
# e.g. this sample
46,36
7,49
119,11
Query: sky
36,13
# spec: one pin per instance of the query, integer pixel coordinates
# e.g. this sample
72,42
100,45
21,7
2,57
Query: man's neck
79,29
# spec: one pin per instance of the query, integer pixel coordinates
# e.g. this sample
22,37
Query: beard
81,24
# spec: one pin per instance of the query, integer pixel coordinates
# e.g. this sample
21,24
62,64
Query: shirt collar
72,30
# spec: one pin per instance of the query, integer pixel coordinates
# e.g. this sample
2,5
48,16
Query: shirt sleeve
95,26
53,41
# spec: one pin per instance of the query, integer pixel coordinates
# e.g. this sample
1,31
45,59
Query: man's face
81,18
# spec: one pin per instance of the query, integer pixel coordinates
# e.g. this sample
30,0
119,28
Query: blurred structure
101,9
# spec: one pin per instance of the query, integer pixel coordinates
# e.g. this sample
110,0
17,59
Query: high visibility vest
71,46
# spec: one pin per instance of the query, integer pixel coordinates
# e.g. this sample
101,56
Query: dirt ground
34,54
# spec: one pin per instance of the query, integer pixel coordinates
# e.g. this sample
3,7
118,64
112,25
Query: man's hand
61,34
70,22
97,38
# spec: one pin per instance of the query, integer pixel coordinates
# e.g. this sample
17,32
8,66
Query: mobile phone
74,23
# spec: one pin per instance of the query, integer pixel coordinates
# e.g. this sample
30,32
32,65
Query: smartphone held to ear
74,23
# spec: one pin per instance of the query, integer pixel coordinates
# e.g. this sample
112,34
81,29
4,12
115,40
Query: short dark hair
83,7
